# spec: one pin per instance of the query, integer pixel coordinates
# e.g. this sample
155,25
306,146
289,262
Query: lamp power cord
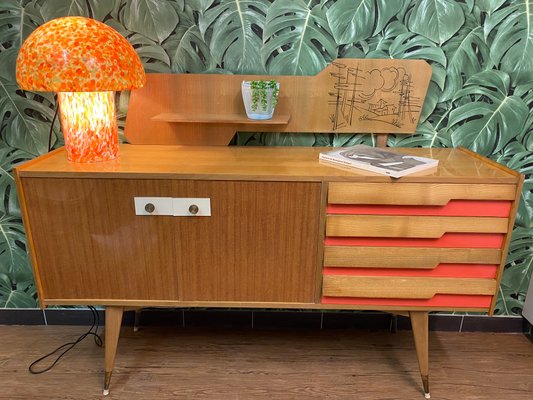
65,348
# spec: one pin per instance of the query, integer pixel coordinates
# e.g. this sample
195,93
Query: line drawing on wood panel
378,95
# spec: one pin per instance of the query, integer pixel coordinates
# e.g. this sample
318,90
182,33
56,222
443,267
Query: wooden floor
168,363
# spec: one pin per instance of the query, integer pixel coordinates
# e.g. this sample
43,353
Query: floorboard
169,363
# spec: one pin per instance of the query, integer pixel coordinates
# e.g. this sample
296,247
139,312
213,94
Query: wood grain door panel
260,244
90,245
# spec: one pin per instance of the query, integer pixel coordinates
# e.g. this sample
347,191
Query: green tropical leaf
518,271
8,62
17,22
322,139
101,8
526,136
24,116
426,135
437,20
488,117
8,193
155,19
521,160
512,47
352,51
430,102
467,53
520,248
288,139
200,5
411,46
489,6
386,11
297,39
234,41
13,257
64,8
187,50
355,20
23,126
16,295
507,303
248,139
379,45
350,139
153,55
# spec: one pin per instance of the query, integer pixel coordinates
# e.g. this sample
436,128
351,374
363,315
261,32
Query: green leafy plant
260,91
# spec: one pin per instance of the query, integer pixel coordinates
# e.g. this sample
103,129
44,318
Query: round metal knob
149,208
193,209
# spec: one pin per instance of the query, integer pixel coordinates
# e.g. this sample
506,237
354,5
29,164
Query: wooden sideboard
284,231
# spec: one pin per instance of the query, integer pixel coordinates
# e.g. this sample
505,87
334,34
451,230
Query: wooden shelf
220,119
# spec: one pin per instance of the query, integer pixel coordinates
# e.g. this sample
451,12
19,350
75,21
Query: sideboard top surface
258,163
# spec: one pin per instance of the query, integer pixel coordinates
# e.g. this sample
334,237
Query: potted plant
260,98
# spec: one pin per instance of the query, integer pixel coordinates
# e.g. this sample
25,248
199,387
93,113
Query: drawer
406,257
455,208
403,287
410,226
451,240
439,301
441,270
435,194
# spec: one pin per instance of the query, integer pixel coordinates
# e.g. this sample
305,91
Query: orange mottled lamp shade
85,61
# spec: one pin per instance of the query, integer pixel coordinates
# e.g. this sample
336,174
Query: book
381,161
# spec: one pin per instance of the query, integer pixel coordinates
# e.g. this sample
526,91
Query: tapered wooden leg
113,320
419,322
137,321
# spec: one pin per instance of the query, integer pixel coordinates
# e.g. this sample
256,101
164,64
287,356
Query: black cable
69,346
52,128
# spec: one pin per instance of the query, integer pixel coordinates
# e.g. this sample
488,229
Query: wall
481,52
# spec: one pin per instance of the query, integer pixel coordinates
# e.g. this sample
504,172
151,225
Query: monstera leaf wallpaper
480,94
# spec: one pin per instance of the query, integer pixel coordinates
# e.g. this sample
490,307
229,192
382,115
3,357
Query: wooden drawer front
410,226
458,240
439,301
455,208
406,257
415,193
403,287
440,271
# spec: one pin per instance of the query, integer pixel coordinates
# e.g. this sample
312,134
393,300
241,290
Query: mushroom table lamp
85,61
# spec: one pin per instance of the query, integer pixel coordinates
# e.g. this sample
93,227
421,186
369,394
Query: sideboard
186,226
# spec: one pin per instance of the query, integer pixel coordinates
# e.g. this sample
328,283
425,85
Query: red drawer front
460,240
439,300
442,270
458,208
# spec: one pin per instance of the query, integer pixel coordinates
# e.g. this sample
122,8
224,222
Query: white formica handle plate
173,206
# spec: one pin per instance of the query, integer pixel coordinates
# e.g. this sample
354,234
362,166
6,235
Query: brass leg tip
107,380
425,382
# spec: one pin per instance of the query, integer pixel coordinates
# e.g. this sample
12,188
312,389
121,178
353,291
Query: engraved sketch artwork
382,96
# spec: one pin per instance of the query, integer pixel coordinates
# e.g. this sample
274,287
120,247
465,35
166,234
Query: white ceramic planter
257,110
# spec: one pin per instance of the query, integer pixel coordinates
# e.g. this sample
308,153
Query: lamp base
89,126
